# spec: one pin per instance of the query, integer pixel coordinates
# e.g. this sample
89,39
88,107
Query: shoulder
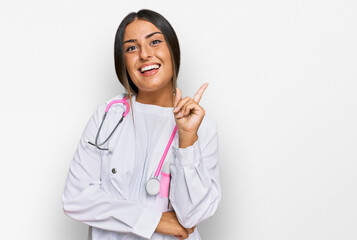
115,108
102,106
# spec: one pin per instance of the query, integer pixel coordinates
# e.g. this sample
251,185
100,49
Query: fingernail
179,115
175,109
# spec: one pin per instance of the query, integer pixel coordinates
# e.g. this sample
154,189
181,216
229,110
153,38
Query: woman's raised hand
170,225
188,115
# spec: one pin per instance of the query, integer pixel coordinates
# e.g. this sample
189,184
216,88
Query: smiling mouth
149,68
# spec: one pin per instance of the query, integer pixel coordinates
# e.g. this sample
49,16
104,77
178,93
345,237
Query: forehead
139,29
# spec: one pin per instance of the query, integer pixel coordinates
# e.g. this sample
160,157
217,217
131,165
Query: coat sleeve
195,189
85,200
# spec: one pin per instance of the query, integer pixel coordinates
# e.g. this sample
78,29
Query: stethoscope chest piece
153,186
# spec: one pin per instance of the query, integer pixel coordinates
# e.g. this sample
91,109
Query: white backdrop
283,84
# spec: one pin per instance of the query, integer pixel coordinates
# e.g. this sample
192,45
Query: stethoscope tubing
106,140
119,101
165,152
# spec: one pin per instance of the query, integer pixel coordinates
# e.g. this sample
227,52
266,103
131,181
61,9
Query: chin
151,87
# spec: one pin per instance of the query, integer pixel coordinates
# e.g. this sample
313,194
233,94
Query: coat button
114,171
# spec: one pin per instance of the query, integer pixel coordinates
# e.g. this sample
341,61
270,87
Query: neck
162,97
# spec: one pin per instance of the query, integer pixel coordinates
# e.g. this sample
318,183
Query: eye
130,49
155,42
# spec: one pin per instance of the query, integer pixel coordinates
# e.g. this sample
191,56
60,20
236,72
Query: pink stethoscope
153,184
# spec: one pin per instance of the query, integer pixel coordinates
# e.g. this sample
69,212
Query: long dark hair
170,37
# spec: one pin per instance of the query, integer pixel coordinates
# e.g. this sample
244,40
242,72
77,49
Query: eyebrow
146,37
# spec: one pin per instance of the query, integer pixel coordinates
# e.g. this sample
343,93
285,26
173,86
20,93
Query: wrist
187,139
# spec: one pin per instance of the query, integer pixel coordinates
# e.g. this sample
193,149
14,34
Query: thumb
178,96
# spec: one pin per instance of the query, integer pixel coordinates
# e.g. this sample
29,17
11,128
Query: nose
145,52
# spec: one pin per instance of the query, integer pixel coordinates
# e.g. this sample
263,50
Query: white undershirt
149,121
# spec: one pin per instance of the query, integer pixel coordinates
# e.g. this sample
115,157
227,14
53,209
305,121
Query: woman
109,190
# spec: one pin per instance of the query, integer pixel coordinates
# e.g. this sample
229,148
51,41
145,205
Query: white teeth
147,68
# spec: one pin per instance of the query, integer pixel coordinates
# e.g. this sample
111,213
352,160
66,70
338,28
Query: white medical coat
97,187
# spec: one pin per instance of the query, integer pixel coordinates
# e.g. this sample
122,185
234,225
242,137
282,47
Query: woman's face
147,57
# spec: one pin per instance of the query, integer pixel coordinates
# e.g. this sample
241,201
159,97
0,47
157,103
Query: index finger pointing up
200,92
